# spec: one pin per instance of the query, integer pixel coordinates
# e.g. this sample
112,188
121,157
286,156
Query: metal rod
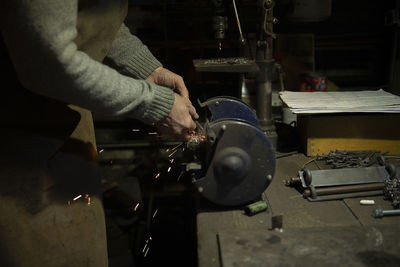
379,213
265,60
238,23
344,189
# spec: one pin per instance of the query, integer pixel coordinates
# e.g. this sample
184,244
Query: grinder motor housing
235,161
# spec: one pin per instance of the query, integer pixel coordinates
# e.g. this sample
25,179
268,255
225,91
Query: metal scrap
391,191
350,159
232,60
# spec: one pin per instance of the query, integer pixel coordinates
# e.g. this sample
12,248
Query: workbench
327,233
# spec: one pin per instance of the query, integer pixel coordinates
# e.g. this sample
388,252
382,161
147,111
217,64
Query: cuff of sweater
142,64
161,105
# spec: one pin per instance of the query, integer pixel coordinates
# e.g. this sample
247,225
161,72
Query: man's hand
164,77
179,122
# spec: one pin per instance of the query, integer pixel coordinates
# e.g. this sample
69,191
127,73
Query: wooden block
322,133
319,146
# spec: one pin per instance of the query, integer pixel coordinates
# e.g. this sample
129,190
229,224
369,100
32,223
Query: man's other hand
163,77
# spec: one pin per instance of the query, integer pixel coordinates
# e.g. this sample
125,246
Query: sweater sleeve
40,34
130,56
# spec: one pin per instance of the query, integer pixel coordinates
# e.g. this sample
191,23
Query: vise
233,160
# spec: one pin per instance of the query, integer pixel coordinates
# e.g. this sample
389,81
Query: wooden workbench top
227,237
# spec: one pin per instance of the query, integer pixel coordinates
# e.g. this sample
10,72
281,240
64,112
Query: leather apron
51,212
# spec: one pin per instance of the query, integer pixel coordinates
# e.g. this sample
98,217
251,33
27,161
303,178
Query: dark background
353,46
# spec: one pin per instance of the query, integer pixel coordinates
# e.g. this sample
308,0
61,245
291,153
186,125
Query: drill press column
266,64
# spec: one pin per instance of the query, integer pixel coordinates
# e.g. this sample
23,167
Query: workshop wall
352,47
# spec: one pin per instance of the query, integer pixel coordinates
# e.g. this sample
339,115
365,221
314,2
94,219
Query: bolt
379,213
268,2
269,177
292,181
216,103
200,189
223,127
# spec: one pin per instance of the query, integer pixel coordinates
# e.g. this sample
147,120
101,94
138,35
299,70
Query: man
52,79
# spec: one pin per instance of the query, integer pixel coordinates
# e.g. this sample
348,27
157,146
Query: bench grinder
233,160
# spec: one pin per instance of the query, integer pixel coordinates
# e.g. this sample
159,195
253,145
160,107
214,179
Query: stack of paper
337,102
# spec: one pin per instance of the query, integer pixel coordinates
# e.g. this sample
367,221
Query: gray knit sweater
40,34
